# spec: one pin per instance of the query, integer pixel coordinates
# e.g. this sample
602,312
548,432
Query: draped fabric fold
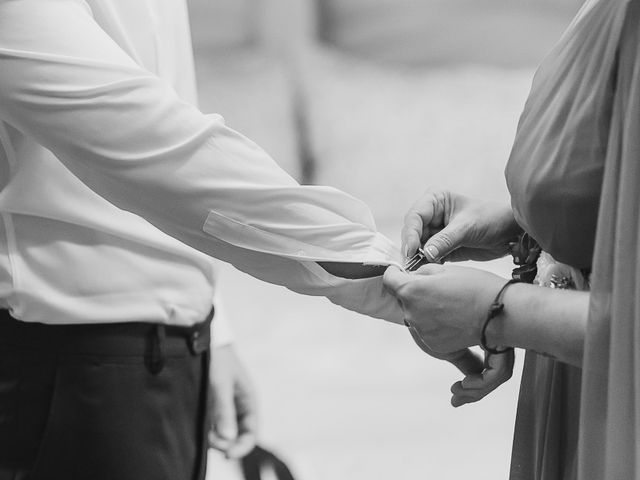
574,178
610,422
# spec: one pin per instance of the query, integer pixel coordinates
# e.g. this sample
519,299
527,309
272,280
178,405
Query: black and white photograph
319,239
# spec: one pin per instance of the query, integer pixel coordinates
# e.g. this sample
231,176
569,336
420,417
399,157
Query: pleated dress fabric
574,179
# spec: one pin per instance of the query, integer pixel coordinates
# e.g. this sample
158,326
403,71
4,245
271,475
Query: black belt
153,341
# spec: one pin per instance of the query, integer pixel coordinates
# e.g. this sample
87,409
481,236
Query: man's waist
132,339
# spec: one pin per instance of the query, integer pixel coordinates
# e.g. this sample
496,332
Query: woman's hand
444,305
444,308
456,228
474,387
481,376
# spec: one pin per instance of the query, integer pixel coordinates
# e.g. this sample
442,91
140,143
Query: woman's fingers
498,369
461,399
440,242
468,362
446,241
472,388
426,212
411,233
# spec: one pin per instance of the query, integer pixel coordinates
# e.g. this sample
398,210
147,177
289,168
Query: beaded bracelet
494,310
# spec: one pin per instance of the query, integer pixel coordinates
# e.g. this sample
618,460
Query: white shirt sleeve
221,333
127,135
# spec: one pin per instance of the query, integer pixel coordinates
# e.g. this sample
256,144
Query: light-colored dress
574,178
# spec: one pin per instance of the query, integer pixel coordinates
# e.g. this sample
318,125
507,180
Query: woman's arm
447,306
547,321
453,227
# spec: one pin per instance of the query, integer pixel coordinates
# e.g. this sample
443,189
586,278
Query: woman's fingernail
432,251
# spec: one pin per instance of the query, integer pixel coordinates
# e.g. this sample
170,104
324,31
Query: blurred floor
343,396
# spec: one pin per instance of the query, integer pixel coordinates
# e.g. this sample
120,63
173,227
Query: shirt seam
12,250
7,219
300,254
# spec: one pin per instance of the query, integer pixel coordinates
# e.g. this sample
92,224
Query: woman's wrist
495,310
491,285
547,321
523,321
500,330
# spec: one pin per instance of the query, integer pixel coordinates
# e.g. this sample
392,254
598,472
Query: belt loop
155,358
200,335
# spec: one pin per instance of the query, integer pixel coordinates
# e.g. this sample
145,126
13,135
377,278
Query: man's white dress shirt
98,130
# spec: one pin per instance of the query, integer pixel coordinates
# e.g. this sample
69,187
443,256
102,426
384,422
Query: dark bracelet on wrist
494,310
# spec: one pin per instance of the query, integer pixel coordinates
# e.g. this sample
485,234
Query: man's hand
454,227
233,410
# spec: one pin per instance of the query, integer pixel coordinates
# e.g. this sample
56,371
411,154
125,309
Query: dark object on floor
260,460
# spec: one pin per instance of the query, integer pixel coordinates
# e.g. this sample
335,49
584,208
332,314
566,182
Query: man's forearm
353,270
126,135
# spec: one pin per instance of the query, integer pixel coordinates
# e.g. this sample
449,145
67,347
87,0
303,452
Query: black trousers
103,402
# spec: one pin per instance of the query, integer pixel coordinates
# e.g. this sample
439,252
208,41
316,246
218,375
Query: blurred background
381,98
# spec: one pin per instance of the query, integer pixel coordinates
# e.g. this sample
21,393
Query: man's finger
242,445
247,421
219,443
223,411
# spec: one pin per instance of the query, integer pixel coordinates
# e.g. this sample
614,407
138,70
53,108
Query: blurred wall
223,24
341,90
413,32
418,32
244,75
277,25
